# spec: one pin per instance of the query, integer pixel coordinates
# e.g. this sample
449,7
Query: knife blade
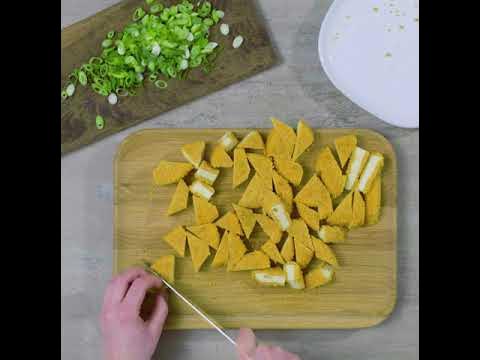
190,304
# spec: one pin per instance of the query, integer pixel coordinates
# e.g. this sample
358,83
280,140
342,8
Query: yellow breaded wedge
199,250
206,232
262,165
294,275
194,152
270,227
253,140
165,267
170,172
253,195
284,190
305,138
230,222
221,256
287,134
300,233
290,170
236,250
356,165
320,275
177,238
370,172
246,218
344,146
358,210
269,277
228,141
330,172
275,146
303,255
219,158
271,250
241,169
331,234
372,202
323,252
315,194
288,249
276,209
179,200
310,216
343,214
201,189
255,260
206,173
205,212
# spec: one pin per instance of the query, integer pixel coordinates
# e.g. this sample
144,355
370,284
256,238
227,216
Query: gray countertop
296,88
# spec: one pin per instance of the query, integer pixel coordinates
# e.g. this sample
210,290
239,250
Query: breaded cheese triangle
205,212
343,214
358,210
372,202
230,222
270,227
253,140
323,252
199,250
177,238
241,169
221,256
271,250
284,190
330,172
165,267
320,275
310,216
303,254
344,146
170,172
193,152
290,170
246,218
255,260
219,158
305,138
179,200
252,197
331,234
236,250
206,232
276,209
262,165
288,249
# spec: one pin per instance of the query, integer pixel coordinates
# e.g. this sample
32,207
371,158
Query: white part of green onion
190,37
237,42
70,89
156,49
140,76
187,53
183,64
209,47
121,50
112,98
224,29
220,14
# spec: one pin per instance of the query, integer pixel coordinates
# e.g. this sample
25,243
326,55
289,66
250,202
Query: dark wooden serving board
82,40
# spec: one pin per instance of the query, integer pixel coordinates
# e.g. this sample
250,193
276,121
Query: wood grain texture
82,40
363,293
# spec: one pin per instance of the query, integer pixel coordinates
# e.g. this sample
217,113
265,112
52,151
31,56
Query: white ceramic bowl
370,51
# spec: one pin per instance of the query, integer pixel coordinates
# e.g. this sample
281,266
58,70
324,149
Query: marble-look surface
296,88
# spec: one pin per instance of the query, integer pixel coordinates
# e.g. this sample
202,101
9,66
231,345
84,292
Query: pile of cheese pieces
276,173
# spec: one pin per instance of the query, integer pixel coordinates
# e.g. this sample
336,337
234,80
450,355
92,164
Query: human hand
247,349
132,320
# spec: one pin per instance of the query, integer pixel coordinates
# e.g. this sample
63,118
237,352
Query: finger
118,286
159,313
246,343
280,354
136,293
264,352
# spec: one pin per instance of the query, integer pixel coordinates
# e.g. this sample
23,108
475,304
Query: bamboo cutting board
82,40
362,294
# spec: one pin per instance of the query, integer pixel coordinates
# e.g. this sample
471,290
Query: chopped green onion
70,89
161,84
156,8
224,29
149,2
208,22
209,47
237,42
82,78
99,122
156,49
122,92
64,95
110,34
112,98
152,77
107,43
217,15
138,14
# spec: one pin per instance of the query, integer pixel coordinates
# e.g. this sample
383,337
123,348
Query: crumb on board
375,9
388,54
401,27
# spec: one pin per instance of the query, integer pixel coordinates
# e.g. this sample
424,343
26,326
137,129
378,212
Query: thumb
246,344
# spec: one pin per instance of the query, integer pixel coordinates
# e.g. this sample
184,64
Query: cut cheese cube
294,275
270,277
206,173
357,162
201,189
321,275
372,169
228,141
273,206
